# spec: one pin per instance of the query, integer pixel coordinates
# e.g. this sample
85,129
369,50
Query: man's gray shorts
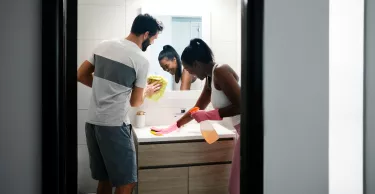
112,154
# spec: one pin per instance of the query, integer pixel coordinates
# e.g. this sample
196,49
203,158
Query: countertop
187,132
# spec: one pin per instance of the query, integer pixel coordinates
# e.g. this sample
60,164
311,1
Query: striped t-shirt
119,66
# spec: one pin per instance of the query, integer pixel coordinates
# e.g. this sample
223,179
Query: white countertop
188,132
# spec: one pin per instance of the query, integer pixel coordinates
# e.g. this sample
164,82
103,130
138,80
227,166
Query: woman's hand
167,130
202,115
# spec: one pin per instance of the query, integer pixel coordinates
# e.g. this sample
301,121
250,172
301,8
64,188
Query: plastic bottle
207,129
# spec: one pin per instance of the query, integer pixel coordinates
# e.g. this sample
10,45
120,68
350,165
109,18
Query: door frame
59,95
252,133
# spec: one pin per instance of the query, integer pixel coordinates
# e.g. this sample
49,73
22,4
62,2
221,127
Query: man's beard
145,44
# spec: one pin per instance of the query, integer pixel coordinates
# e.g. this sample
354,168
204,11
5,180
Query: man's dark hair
146,23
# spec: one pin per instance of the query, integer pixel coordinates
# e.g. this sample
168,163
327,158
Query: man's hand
139,94
152,88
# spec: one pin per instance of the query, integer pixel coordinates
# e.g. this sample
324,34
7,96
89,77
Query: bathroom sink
187,132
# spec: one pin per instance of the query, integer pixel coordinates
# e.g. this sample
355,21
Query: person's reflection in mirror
170,62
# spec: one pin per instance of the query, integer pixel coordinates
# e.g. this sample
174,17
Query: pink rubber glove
167,130
202,115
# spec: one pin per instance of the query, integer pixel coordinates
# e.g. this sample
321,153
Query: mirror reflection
177,33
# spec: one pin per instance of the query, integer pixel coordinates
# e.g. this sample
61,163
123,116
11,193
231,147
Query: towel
157,78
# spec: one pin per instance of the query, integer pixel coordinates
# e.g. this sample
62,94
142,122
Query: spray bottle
207,129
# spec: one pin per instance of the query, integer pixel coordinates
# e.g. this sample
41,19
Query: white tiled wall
100,22
164,111
238,26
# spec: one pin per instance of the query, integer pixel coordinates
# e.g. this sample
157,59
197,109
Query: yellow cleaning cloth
155,133
163,82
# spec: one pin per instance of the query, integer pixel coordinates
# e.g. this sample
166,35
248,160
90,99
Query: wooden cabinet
184,153
163,181
210,179
192,167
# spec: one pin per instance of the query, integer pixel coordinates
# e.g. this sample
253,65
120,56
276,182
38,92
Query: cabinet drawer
163,181
184,153
211,179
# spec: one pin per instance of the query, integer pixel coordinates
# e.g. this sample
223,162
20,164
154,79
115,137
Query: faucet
181,112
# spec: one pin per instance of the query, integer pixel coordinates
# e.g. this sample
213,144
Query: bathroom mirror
183,23
179,29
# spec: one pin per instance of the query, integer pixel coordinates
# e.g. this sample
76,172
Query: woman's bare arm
202,103
226,80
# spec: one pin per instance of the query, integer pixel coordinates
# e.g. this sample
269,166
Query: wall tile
225,52
132,10
119,23
101,2
83,96
84,49
85,183
101,22
82,118
223,21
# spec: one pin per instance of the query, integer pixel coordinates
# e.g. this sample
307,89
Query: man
116,71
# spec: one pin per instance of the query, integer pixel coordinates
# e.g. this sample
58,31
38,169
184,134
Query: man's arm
138,93
141,89
85,73
137,97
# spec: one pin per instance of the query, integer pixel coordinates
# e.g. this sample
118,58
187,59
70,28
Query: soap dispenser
140,119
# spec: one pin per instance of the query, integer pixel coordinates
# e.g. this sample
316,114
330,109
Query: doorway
60,160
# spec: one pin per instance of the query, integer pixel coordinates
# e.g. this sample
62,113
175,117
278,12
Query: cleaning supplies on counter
140,119
162,81
207,129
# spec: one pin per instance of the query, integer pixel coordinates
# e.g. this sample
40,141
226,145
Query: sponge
156,133
163,82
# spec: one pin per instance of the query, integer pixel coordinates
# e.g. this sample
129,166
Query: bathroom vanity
182,162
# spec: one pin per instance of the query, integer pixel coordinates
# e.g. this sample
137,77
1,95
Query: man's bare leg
104,187
125,189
